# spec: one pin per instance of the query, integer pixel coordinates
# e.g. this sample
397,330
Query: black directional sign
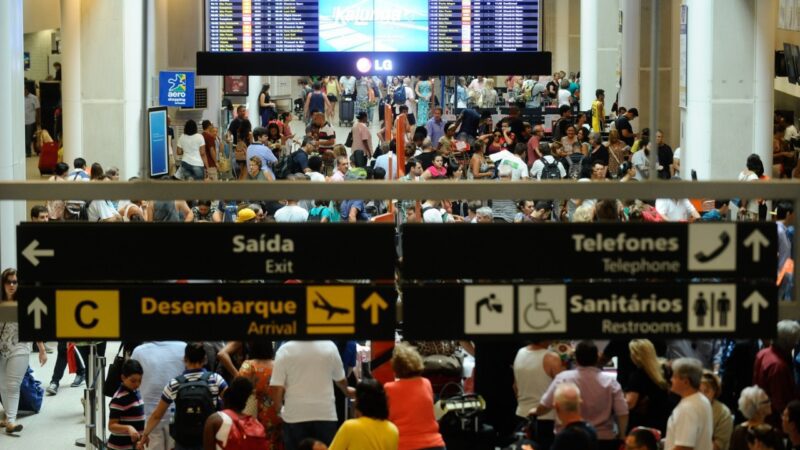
80,252
208,312
590,311
582,251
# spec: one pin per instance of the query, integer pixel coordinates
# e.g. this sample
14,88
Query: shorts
332,98
411,120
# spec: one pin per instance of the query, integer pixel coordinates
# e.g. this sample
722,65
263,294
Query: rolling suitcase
48,158
346,111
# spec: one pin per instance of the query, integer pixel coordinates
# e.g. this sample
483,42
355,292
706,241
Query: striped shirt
126,407
216,383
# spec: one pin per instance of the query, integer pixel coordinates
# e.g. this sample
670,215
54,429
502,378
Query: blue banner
176,89
159,143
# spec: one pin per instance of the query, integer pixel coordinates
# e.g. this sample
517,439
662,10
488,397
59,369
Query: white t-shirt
161,361
383,161
564,97
316,177
306,370
691,424
519,169
349,84
431,214
31,105
410,96
641,163
675,210
676,156
532,381
101,210
191,148
291,213
476,85
538,167
788,134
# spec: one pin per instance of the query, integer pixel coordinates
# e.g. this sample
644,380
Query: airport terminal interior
417,225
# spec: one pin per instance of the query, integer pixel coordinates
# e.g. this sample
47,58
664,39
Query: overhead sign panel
58,252
582,251
590,311
208,312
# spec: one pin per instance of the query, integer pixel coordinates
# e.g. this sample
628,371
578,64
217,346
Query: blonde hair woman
648,389
711,386
411,402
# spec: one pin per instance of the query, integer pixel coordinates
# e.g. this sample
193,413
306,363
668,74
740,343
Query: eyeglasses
12,282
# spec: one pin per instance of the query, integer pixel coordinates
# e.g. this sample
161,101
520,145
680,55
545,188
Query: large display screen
372,25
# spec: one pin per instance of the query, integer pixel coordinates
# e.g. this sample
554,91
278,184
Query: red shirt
773,373
533,147
411,410
211,149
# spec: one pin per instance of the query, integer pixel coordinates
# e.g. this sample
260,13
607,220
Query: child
126,410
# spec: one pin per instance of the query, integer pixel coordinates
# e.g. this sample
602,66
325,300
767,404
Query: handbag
224,158
31,393
240,152
114,376
441,364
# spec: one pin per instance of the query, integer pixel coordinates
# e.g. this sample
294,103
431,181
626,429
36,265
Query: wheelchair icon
538,306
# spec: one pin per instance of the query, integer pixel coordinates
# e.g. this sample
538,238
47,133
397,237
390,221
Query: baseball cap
245,215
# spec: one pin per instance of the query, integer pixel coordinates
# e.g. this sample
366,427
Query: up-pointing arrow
32,252
37,307
756,240
755,301
374,302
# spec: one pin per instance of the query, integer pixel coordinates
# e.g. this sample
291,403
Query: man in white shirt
383,162
292,212
161,362
677,209
519,169
564,95
33,119
547,159
302,375
690,426
347,85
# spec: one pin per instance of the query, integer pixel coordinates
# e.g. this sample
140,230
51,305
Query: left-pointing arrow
37,308
32,252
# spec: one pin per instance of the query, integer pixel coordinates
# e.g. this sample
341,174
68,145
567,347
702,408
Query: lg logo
364,65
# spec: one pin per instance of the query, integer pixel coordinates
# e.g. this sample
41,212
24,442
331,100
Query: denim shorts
192,172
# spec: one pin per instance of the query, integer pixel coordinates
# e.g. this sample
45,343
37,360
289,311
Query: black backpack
399,95
575,161
284,166
194,403
550,171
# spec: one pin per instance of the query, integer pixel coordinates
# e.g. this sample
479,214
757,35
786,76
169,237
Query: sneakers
78,381
52,389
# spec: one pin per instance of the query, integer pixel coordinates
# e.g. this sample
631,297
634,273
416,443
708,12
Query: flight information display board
266,26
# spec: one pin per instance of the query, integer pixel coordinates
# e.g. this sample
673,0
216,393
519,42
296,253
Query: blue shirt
265,153
344,210
435,130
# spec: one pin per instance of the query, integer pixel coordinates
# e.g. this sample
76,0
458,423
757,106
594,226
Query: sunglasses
12,282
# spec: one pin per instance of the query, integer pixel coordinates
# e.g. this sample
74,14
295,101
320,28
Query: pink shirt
360,134
411,410
337,175
601,398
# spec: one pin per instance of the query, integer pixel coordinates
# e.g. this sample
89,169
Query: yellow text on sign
330,309
87,314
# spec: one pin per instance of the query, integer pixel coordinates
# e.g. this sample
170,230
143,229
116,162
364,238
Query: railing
167,190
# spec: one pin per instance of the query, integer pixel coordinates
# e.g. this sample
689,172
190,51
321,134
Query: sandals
13,428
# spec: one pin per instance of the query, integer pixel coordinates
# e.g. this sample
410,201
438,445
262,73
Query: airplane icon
321,303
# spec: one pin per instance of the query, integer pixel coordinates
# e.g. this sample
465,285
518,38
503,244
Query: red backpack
246,432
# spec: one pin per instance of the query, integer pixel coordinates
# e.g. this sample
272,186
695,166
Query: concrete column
630,66
71,79
729,106
599,48
561,33
12,107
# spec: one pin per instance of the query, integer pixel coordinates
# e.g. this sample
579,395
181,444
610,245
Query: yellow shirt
598,112
366,433
332,88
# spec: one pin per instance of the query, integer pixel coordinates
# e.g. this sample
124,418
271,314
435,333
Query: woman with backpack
231,429
371,429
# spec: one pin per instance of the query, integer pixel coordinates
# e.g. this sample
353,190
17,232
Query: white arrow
755,301
37,307
31,252
756,240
